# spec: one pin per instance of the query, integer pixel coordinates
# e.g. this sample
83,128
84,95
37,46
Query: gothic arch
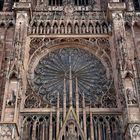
90,27
71,118
69,28
41,28
60,43
48,27
81,44
34,28
83,28
76,28
55,28
62,28
105,27
98,28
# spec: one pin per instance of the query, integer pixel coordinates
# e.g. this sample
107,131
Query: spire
70,83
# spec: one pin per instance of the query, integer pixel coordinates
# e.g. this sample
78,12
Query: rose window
65,69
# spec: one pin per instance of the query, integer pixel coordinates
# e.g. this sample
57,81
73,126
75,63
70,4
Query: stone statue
71,134
130,96
11,101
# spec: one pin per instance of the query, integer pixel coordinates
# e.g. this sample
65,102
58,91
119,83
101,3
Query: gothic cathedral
69,69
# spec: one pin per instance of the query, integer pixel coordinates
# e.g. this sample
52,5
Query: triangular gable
13,69
71,114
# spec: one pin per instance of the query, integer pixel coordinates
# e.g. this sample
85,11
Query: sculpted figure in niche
128,64
33,29
71,133
41,29
76,29
90,28
105,29
69,29
11,101
136,132
62,29
130,96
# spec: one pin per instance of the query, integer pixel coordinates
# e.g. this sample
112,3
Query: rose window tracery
57,69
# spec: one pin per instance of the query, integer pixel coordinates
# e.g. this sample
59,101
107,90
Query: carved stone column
10,111
50,127
77,99
84,116
91,126
58,115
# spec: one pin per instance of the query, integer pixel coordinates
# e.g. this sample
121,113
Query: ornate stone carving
32,100
8,131
53,23
7,19
136,132
35,44
132,17
100,43
116,6
11,101
69,9
71,134
131,96
22,5
109,101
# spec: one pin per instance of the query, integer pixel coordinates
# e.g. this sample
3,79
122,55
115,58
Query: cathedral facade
70,70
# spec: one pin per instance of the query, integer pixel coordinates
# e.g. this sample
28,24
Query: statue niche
130,89
71,131
130,96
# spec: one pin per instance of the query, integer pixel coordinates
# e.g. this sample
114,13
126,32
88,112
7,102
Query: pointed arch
13,75
62,28
76,28
83,28
105,27
41,28
71,119
48,28
55,28
69,28
90,28
34,28
98,28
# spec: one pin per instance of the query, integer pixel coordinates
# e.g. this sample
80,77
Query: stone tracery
56,101
52,70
